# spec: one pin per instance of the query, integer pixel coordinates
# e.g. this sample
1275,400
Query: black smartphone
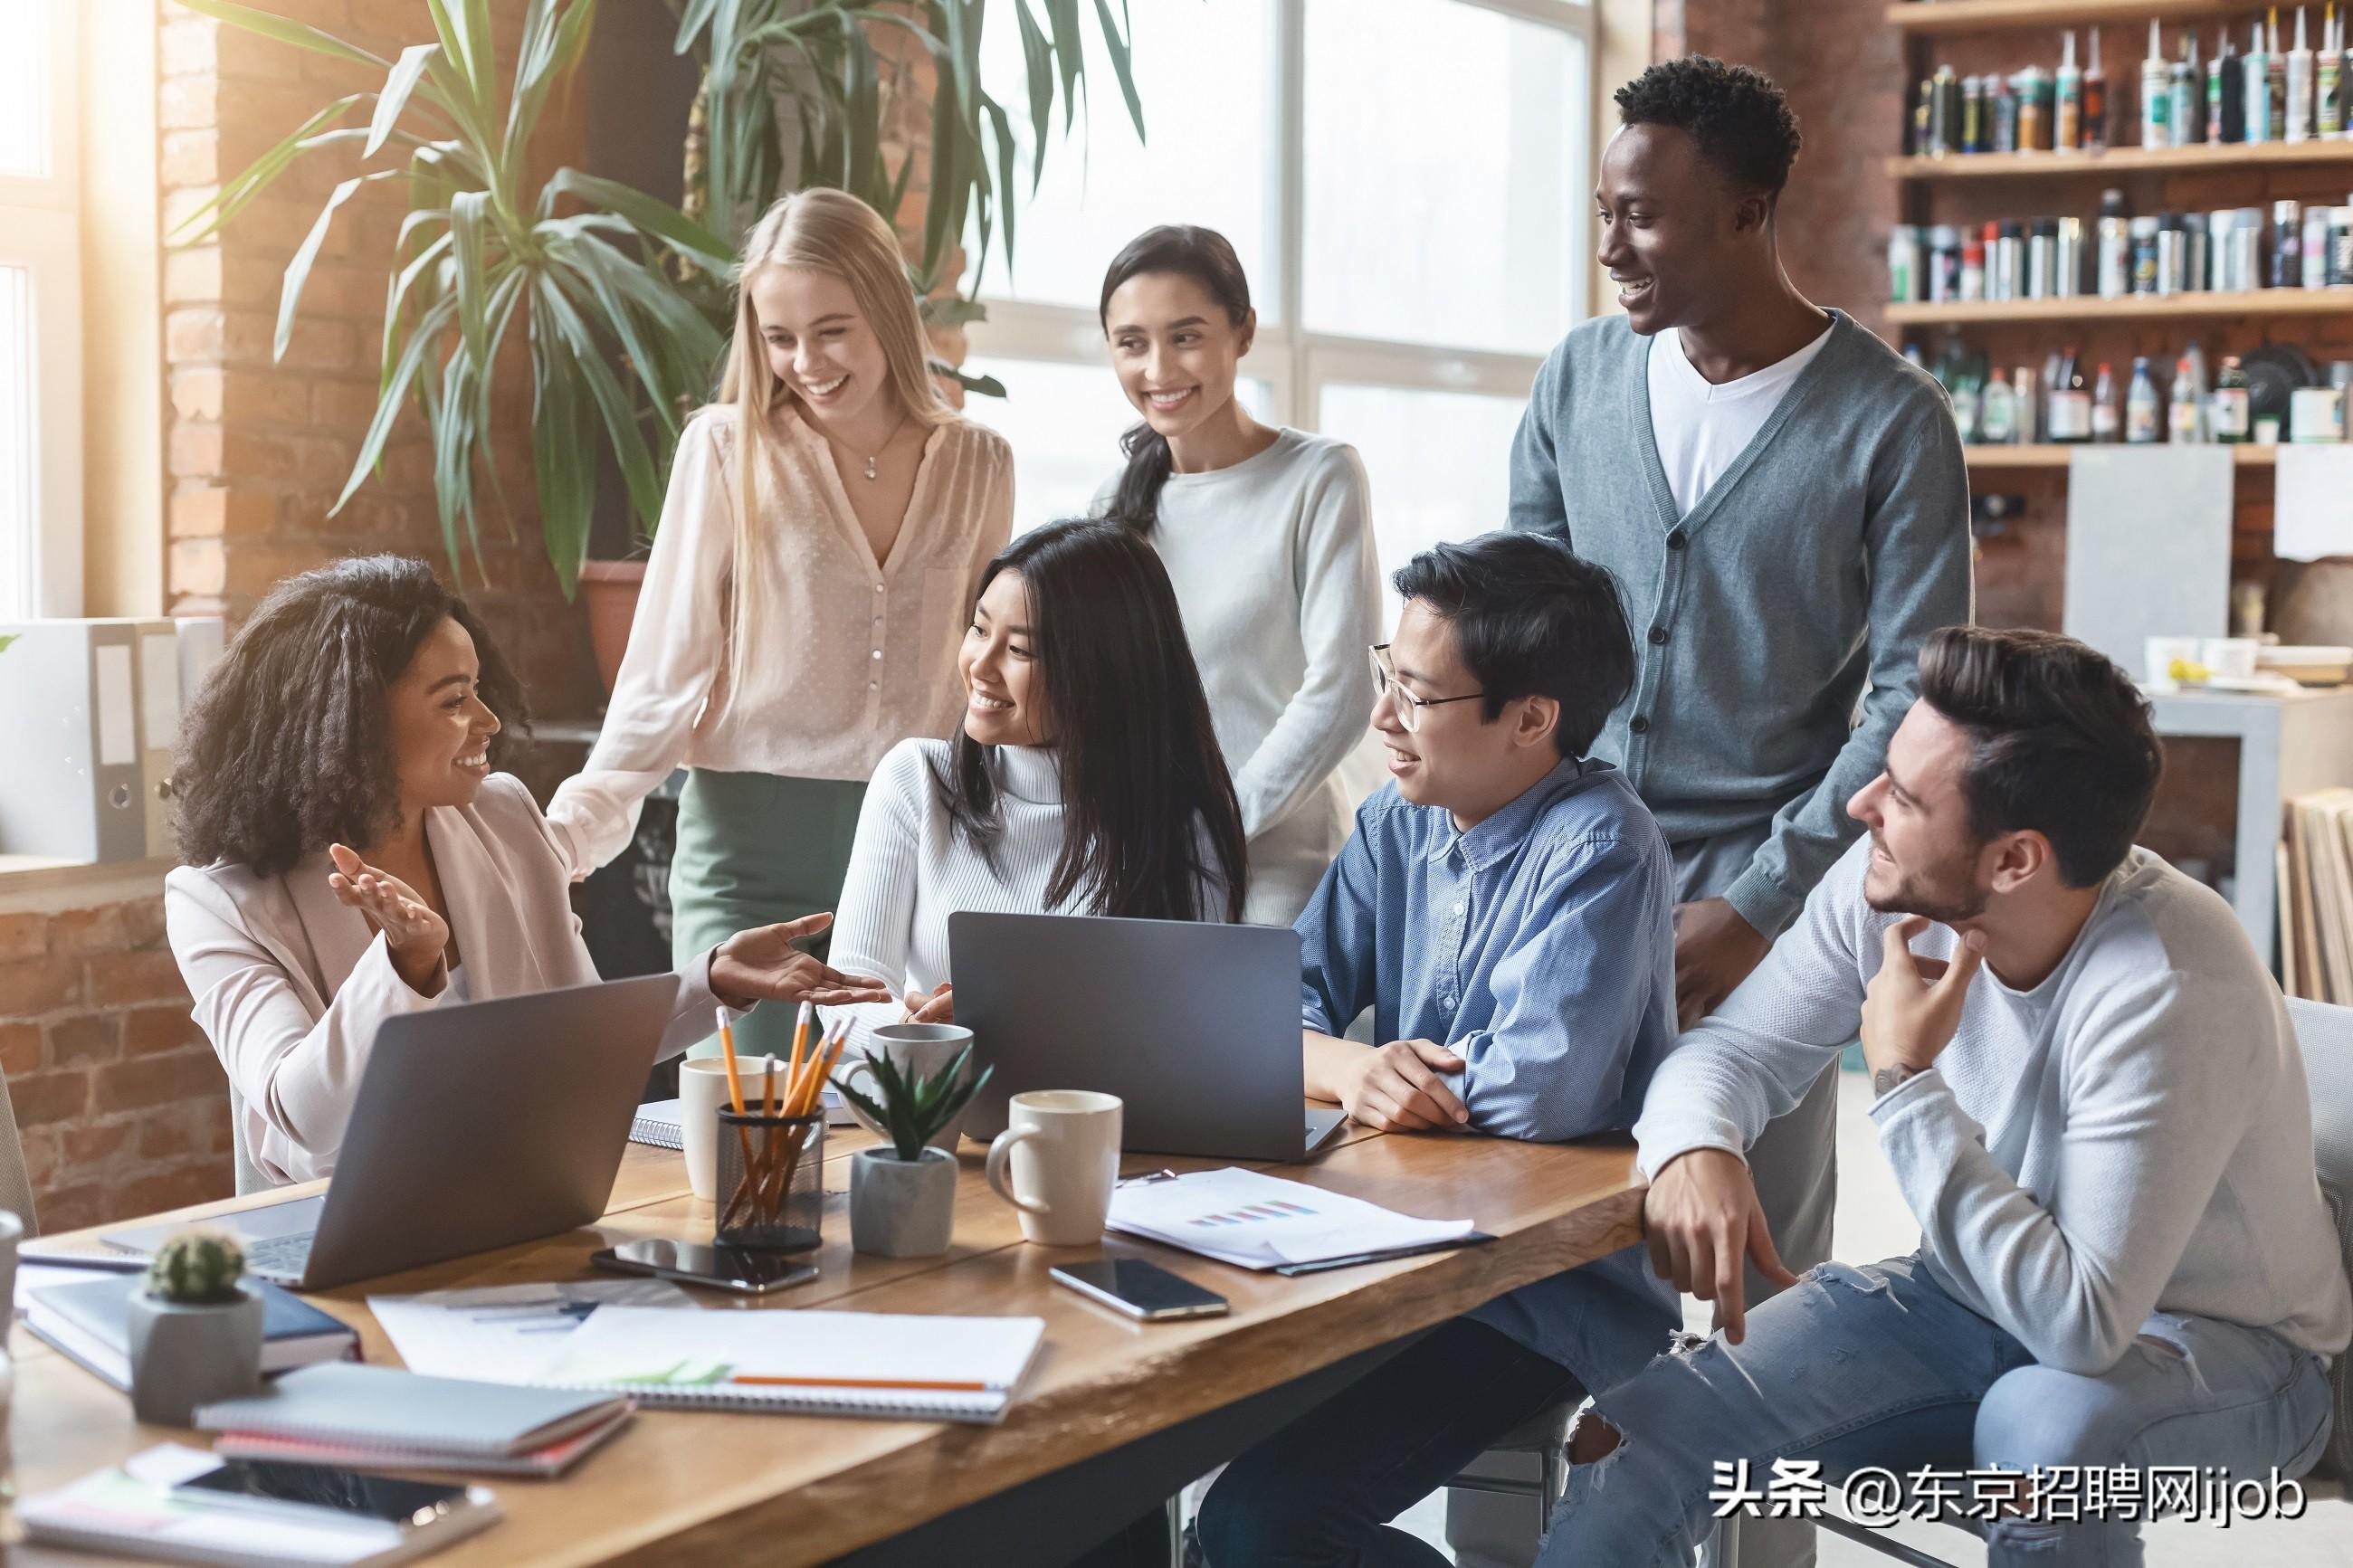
721,1268
267,1481
1140,1287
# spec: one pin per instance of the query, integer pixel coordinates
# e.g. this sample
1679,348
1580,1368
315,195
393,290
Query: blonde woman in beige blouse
827,522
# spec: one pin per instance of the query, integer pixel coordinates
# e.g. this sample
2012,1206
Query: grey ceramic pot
186,1356
901,1208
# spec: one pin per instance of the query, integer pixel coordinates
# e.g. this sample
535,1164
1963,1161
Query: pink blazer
290,984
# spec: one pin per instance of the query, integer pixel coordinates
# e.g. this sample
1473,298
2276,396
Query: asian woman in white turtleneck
1085,779
1267,535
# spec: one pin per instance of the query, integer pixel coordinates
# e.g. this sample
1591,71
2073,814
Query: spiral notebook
383,1412
805,1362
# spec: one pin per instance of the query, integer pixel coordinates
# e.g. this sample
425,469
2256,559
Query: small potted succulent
902,1195
195,1334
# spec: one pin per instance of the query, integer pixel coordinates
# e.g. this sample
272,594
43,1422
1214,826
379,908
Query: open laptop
1195,1026
477,1126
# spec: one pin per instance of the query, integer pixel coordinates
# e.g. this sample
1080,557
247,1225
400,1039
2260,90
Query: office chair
249,1178
15,1184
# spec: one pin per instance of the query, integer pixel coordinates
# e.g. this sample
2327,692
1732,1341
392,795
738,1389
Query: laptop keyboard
278,1256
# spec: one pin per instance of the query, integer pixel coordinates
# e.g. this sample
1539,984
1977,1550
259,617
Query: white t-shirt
1702,429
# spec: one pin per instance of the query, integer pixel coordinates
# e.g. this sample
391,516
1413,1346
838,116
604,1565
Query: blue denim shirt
1540,946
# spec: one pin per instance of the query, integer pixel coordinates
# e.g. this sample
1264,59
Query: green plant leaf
612,402
1121,65
656,218
393,97
465,219
301,35
298,271
1038,58
8,637
259,176
395,391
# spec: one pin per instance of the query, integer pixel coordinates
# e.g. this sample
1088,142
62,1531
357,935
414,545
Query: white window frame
1295,364
41,573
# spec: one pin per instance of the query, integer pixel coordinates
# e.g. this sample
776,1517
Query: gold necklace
886,445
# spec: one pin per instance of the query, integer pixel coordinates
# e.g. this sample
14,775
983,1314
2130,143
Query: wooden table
682,1487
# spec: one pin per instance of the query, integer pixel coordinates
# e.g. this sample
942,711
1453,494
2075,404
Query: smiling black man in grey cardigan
1783,501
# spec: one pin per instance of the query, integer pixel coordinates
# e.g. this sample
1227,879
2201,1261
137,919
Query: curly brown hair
289,746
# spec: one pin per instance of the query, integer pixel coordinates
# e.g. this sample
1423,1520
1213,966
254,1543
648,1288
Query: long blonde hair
834,233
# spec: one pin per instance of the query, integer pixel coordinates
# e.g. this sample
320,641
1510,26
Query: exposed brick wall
258,448
120,1100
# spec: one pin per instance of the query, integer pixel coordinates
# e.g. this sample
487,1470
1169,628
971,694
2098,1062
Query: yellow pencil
727,1049
800,1041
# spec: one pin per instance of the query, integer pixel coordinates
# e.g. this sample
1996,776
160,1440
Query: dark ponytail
1205,257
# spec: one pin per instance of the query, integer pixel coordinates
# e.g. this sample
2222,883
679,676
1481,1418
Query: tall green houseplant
621,298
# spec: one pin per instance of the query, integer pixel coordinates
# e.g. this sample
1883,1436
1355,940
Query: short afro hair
1740,120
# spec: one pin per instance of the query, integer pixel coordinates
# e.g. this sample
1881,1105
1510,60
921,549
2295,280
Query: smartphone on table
1139,1288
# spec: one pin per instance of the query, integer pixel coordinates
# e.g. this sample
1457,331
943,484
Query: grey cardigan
1822,558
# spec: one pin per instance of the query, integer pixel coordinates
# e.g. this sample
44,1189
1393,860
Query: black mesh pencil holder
771,1187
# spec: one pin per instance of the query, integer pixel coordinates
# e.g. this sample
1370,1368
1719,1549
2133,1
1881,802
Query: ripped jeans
1880,1367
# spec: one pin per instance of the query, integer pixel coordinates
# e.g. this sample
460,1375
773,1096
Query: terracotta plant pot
609,589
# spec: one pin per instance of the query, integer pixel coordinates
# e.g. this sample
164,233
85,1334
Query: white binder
156,646
70,728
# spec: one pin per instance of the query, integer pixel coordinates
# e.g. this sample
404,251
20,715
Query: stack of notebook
91,1322
365,1418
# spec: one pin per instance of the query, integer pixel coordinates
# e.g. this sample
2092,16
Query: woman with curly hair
352,854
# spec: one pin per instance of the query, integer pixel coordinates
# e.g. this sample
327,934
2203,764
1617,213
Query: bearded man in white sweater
2092,1099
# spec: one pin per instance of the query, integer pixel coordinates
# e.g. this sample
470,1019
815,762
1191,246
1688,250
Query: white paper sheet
1258,1221
2311,506
503,1334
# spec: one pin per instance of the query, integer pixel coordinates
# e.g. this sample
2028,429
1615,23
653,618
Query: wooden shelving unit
1989,15
2260,303
2118,162
2054,454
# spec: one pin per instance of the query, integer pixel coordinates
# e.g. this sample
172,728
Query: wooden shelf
2278,303
1986,16
2056,454
2117,161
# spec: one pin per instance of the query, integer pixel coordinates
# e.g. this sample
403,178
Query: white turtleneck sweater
910,869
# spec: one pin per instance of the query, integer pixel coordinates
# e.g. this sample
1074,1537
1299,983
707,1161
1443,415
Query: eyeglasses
1409,706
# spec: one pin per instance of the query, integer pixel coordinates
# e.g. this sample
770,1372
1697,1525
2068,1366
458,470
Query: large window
1406,181
40,315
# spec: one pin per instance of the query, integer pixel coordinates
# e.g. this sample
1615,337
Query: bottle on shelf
2288,244
2300,64
2327,112
1944,111
2226,95
2155,94
2314,251
2186,110
1973,268
2256,70
2070,257
2071,402
1906,283
2005,262
2067,121
1944,264
2182,419
2115,264
2200,387
2108,415
2054,377
1998,412
2028,420
2278,59
2146,229
2096,100
2001,112
2231,402
2141,426
1976,135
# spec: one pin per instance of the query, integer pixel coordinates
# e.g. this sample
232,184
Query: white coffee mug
701,1096
1060,1151
921,1049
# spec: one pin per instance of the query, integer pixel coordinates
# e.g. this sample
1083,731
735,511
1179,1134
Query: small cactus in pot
195,1332
902,1194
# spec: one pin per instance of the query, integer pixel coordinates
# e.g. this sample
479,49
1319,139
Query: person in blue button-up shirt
1505,908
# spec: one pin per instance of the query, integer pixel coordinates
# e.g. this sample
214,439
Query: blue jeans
1320,1492
1880,1367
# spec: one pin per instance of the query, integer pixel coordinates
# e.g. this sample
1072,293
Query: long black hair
1148,809
289,746
1205,257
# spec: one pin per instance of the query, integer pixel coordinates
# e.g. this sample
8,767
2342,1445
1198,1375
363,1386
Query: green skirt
754,850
